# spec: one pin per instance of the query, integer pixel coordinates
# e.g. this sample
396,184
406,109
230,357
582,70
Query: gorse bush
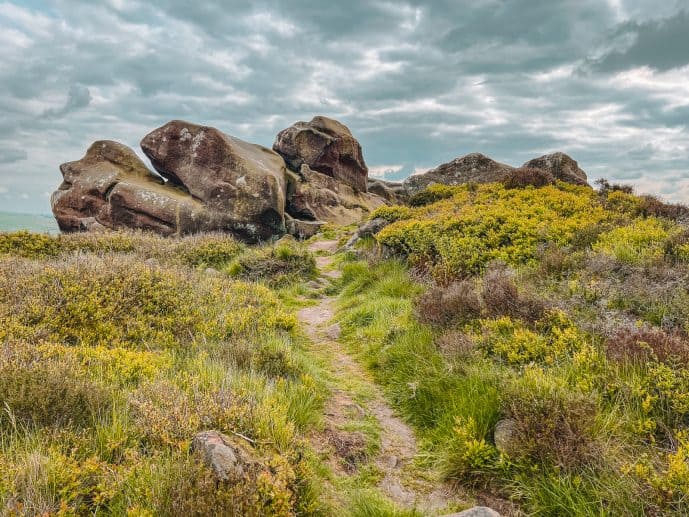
458,230
461,234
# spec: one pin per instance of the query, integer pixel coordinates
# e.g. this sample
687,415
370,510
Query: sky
417,82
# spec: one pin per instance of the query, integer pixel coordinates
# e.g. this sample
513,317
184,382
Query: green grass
454,403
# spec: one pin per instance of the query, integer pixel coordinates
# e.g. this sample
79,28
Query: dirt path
401,480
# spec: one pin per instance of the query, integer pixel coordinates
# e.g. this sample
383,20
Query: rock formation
478,168
315,196
474,167
110,187
227,458
210,181
242,183
326,146
561,166
392,191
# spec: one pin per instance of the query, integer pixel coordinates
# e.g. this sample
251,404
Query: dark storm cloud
418,82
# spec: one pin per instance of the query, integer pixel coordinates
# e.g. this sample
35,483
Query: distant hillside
31,222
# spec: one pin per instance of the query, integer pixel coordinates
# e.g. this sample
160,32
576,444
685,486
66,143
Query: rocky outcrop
243,183
326,146
473,167
210,181
478,168
561,166
110,187
318,197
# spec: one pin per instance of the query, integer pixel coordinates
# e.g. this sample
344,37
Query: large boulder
110,187
317,197
243,183
474,167
561,166
326,146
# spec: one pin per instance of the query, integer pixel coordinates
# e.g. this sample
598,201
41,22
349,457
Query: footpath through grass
539,343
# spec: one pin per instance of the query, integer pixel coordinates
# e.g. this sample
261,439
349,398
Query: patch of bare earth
401,481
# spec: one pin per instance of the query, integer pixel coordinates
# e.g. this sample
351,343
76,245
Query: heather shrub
447,305
49,394
553,421
502,297
557,262
645,343
605,187
455,344
651,206
528,177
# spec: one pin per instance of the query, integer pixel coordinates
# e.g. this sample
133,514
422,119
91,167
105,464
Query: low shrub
49,394
502,297
275,264
528,177
553,422
640,243
651,206
605,187
431,194
645,343
453,304
29,245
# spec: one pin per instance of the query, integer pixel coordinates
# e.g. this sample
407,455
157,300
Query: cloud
657,44
384,171
9,155
418,82
77,98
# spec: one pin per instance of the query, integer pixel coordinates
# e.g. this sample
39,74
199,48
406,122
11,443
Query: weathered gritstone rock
243,183
228,459
478,168
504,436
110,187
326,146
368,229
214,182
316,196
392,191
474,167
561,166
